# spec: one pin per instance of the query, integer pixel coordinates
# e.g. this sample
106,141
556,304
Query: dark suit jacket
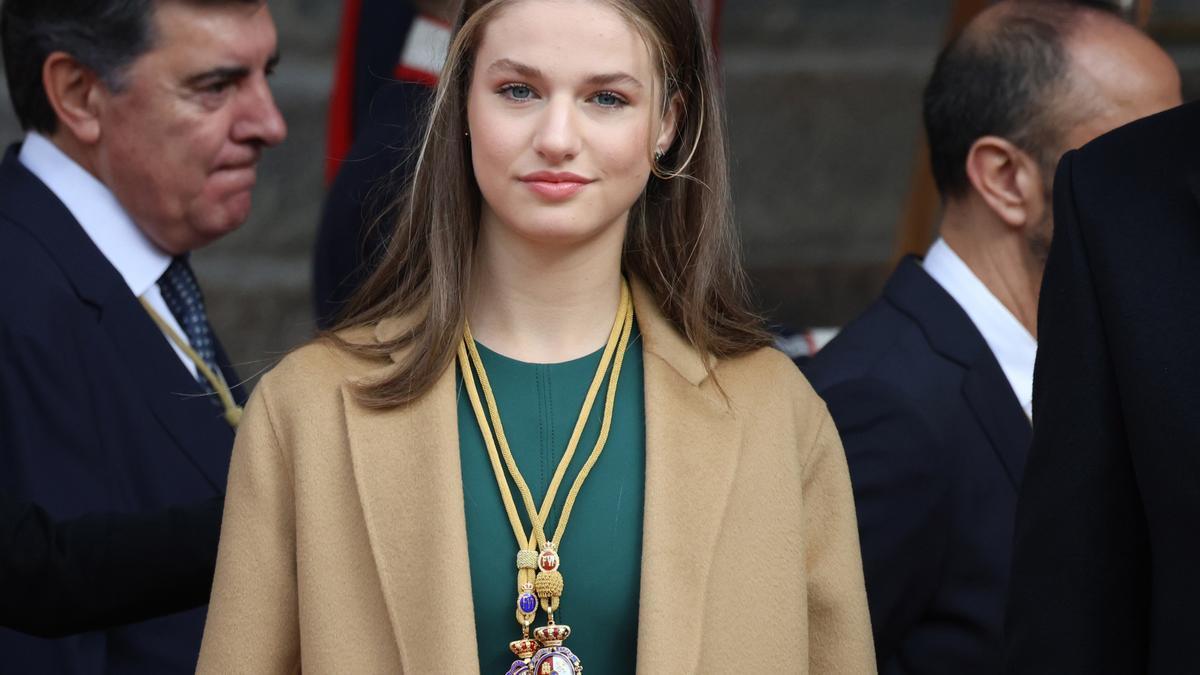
357,218
936,441
96,414
384,117
103,569
1106,574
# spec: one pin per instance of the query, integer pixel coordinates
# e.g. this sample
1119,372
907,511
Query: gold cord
605,427
514,519
233,411
538,537
469,359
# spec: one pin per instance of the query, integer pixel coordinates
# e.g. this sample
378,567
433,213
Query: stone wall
824,112
822,101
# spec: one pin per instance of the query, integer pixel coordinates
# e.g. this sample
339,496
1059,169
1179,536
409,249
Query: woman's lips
555,186
555,191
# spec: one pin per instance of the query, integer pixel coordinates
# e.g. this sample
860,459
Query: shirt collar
1010,342
97,210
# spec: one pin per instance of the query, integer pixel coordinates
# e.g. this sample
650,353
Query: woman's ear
1007,179
668,125
74,92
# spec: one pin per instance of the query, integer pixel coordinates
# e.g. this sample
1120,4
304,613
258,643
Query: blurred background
823,104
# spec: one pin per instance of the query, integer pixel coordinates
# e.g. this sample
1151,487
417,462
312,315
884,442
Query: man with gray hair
931,388
144,120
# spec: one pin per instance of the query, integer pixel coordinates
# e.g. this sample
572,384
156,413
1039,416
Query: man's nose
260,120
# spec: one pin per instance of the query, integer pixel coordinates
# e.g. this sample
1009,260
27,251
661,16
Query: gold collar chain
547,586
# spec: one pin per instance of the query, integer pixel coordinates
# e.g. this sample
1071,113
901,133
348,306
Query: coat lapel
692,444
196,425
406,467
985,388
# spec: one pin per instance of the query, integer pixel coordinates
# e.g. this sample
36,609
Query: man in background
931,388
145,121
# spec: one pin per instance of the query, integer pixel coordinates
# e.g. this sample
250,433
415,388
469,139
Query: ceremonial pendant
524,649
553,658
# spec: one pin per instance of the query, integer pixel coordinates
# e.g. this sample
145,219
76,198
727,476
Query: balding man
931,388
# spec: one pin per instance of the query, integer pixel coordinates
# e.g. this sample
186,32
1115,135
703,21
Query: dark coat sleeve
1080,579
105,569
359,215
899,472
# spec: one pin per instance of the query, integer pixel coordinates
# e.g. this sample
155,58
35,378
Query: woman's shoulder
763,366
767,378
323,366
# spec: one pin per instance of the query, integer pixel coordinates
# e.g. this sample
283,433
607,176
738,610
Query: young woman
552,406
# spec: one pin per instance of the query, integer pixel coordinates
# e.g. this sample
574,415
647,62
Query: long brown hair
681,241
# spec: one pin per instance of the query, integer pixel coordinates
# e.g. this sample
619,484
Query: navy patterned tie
182,295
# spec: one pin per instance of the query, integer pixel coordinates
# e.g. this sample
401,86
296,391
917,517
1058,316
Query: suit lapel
406,467
985,388
692,445
990,397
178,403
165,384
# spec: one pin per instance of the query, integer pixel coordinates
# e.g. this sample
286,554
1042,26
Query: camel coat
343,548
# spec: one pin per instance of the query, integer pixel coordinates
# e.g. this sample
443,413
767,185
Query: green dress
601,550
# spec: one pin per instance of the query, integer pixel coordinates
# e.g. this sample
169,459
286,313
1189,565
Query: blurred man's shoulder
1154,145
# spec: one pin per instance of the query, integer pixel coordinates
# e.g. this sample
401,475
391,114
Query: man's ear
1007,179
670,121
74,92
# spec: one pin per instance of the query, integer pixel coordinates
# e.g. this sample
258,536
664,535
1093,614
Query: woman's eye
607,99
517,92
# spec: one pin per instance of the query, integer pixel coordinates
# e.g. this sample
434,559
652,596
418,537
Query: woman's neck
544,303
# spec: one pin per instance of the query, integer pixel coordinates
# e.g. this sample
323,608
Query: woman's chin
562,234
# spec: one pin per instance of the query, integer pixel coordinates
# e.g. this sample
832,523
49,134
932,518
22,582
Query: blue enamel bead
527,603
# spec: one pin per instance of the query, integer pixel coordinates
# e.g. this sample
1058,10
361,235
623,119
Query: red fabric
409,74
340,130
714,23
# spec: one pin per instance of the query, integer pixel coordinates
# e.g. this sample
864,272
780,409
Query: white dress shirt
1007,337
97,210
